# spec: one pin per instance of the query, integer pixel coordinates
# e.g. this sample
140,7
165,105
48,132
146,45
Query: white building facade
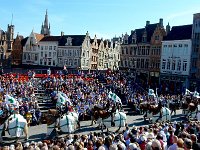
175,62
48,51
176,57
30,50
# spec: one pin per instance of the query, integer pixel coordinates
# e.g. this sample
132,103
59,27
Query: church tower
10,37
45,28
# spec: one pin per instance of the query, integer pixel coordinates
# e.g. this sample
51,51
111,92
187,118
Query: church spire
45,29
46,20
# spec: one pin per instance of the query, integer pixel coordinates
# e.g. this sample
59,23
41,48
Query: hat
12,147
132,146
26,144
143,138
150,136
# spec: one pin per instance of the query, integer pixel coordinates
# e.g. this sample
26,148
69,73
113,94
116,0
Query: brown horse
50,116
173,107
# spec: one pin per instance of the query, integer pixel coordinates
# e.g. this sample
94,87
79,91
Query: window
138,63
41,61
163,64
147,63
179,65
175,45
50,47
135,50
24,55
29,57
45,62
63,52
54,48
125,63
168,64
173,64
184,65
185,45
70,62
144,39
75,62
87,62
54,62
46,47
41,54
131,51
49,54
157,37
42,48
122,63
122,51
126,50
180,45
49,62
142,63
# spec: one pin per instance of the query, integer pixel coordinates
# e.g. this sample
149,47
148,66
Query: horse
152,109
76,118
143,107
16,125
173,106
66,122
119,119
97,112
165,115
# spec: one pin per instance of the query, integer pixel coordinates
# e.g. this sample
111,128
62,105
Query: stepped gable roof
50,38
23,41
139,33
179,33
38,36
77,40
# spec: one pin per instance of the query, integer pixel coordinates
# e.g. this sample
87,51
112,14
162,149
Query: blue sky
105,18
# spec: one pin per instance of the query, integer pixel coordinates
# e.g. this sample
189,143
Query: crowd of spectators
22,90
159,136
93,90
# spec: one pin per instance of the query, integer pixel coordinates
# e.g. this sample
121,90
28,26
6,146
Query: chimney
62,33
161,22
132,31
147,23
168,28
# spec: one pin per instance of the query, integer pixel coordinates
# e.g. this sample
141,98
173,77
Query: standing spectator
187,144
195,145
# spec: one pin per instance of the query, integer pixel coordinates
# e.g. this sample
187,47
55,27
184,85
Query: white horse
165,115
16,125
67,124
119,120
75,115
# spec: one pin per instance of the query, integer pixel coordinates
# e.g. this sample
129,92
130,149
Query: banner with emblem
114,97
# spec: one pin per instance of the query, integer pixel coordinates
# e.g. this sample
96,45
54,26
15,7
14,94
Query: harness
18,126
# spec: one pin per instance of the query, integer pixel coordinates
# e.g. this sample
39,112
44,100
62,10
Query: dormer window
157,37
133,40
69,41
144,39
